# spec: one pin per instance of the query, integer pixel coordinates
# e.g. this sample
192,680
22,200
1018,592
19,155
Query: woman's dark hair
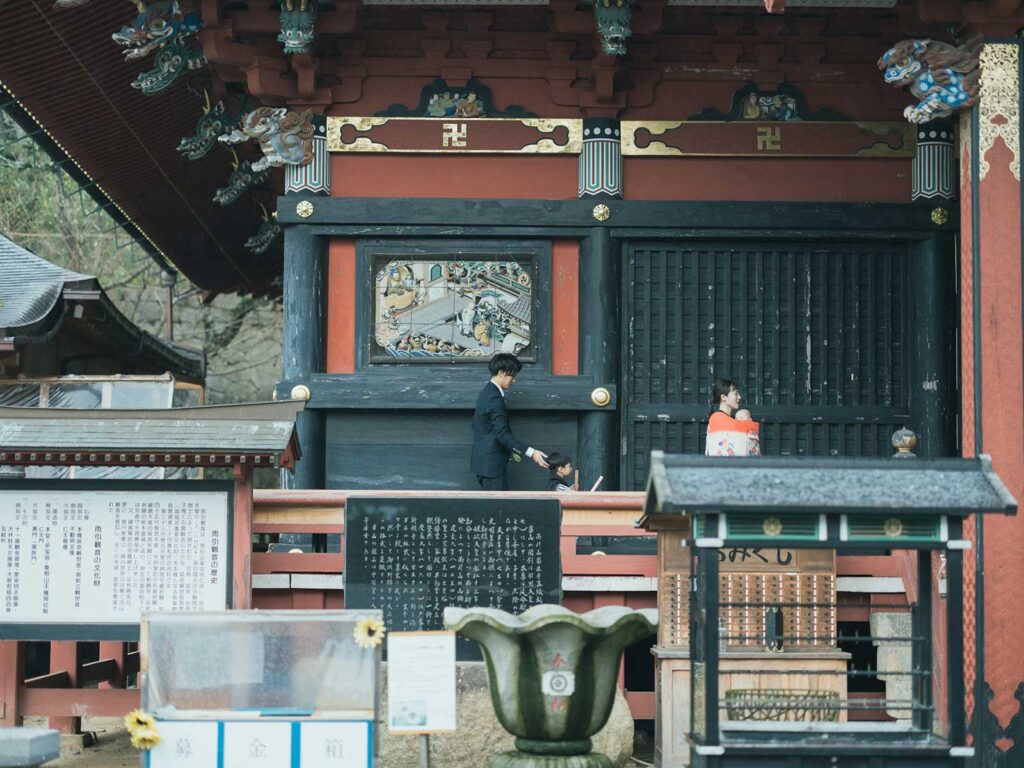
718,389
503,362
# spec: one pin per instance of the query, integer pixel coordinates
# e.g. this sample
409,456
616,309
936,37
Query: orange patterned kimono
729,437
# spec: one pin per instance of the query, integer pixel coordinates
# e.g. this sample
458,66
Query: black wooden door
815,333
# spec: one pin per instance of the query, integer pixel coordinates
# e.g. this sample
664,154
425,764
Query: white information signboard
421,682
82,557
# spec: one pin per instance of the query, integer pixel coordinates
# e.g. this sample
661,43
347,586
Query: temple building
819,199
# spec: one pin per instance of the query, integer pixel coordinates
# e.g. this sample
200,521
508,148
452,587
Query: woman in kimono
728,436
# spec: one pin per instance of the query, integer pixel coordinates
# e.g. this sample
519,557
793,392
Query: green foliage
44,210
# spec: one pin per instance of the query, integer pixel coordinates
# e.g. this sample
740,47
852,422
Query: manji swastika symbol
769,139
454,134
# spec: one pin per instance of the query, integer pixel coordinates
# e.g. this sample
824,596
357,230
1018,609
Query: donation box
255,689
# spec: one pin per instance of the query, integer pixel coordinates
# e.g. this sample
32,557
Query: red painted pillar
64,658
117,651
992,366
12,674
241,555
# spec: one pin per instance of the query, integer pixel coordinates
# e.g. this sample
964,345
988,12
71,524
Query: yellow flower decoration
145,738
369,633
137,719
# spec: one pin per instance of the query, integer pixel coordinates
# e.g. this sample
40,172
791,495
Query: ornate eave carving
998,108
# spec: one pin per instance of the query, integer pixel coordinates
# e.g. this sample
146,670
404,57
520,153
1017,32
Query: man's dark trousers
499,483
493,441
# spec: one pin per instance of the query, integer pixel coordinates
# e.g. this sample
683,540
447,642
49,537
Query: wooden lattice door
816,334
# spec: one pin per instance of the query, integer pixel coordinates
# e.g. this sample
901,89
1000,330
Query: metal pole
167,280
424,750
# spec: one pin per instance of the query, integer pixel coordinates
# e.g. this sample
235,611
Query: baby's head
742,415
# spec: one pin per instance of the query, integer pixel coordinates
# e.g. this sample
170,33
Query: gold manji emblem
454,134
769,139
602,212
893,527
771,526
304,209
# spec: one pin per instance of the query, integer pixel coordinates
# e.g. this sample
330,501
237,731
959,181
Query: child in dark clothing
561,469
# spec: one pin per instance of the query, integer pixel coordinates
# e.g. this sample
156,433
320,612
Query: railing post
241,548
64,658
12,674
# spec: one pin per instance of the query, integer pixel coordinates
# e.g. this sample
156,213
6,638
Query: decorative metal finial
904,441
940,216
602,212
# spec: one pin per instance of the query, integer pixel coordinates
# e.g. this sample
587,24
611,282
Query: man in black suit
493,441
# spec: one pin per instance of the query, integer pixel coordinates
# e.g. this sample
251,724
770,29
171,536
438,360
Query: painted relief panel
451,309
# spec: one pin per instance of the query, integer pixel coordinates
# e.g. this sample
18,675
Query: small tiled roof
701,484
264,433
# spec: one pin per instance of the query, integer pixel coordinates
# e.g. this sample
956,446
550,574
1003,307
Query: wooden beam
686,217
131,663
1003,8
307,562
266,500
52,680
78,702
102,671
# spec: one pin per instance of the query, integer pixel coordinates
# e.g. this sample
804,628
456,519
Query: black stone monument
412,558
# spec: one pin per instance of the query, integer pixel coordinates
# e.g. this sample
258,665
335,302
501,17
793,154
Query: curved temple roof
33,297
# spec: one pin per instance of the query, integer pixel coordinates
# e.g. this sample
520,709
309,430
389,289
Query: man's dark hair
558,460
503,362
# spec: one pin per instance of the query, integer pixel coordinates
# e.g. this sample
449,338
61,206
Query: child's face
565,470
743,415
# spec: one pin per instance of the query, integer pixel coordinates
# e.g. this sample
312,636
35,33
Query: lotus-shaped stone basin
552,675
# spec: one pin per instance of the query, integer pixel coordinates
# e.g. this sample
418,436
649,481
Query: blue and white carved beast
944,77
285,137
157,25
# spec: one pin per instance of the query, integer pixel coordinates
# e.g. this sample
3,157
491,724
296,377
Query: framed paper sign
82,560
450,308
421,682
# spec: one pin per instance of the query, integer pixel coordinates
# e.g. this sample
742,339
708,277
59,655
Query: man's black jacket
493,441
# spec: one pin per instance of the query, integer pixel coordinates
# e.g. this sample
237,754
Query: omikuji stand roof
713,485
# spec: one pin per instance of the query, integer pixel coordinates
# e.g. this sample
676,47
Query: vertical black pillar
303,344
922,683
599,353
933,392
711,638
